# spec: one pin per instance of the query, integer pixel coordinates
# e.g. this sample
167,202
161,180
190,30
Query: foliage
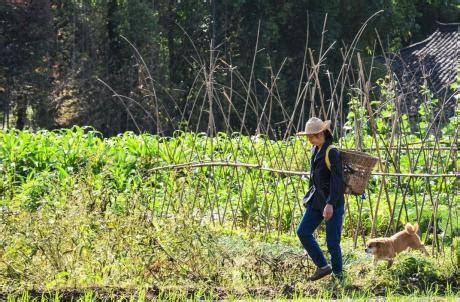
49,71
81,210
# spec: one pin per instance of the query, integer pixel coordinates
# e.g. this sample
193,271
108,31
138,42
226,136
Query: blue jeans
310,221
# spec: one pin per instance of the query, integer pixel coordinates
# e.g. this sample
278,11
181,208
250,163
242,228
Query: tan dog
388,248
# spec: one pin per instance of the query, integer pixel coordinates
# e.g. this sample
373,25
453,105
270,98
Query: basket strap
328,162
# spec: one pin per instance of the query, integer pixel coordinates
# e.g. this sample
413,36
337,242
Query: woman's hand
328,211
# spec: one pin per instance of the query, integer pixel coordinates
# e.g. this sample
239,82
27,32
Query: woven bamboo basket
357,168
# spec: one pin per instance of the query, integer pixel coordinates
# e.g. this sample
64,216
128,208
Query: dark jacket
329,184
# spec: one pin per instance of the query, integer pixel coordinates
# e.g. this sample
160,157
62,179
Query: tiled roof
433,62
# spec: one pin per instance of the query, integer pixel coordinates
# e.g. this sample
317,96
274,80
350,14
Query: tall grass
181,171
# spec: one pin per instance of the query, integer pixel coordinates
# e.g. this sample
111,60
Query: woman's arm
336,181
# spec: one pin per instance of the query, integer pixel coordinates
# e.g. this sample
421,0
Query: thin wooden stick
197,164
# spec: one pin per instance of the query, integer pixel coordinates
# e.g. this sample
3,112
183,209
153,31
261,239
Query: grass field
95,217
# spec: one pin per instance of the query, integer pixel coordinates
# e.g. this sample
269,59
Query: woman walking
324,200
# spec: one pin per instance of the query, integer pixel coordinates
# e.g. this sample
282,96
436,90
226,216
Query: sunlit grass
81,211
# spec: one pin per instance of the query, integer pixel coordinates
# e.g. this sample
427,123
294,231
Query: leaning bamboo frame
212,106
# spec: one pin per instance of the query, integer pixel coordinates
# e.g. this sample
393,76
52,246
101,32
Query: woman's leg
333,234
310,221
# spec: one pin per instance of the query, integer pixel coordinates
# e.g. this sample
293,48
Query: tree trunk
21,112
171,48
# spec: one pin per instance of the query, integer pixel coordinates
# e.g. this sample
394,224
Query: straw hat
315,125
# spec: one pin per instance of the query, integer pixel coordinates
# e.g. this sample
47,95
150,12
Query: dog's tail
411,229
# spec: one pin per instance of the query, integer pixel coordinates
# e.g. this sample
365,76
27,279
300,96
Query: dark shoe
320,273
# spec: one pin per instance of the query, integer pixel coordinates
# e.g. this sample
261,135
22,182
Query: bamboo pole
198,164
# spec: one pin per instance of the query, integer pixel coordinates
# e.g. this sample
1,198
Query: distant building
433,62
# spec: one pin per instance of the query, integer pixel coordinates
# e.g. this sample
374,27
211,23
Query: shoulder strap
328,162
